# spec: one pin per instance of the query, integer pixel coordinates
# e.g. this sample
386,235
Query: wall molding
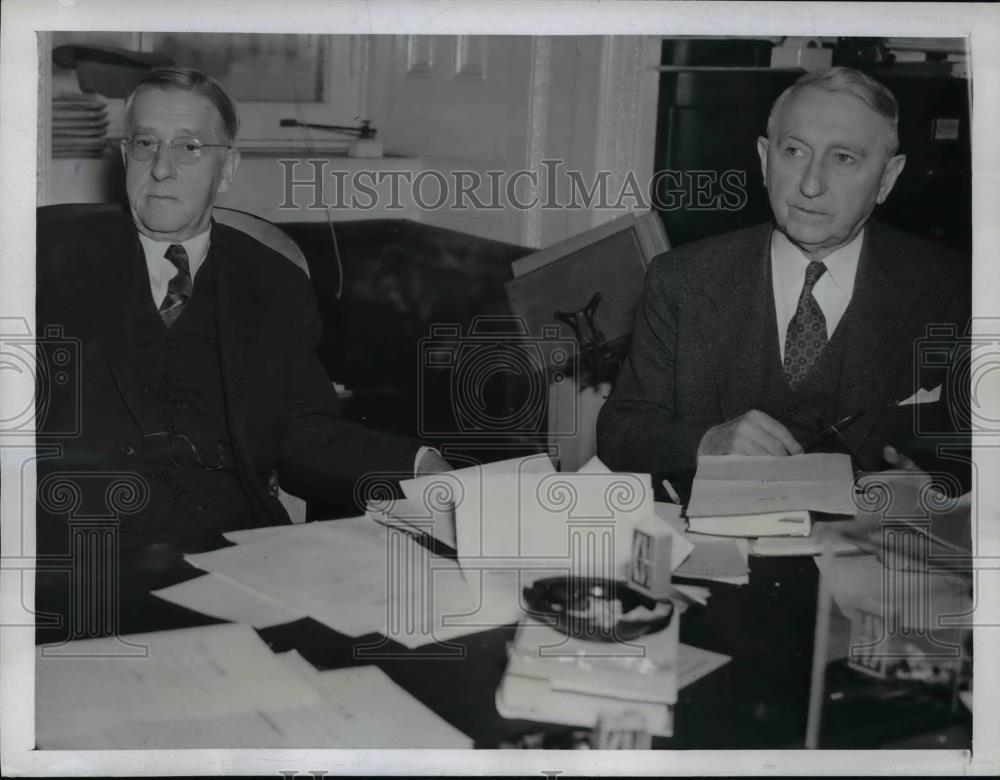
470,57
44,115
540,91
419,55
626,115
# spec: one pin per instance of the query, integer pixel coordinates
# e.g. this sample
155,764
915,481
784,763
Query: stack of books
79,125
553,678
755,496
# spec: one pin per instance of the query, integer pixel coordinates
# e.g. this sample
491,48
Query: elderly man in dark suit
197,343
755,342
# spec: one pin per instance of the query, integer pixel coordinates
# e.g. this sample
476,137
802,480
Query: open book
738,495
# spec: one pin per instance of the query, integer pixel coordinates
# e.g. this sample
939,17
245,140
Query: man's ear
229,168
762,146
893,167
121,148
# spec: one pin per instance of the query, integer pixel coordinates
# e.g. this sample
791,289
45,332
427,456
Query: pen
833,430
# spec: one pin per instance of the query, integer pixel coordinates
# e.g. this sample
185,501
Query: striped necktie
179,289
806,335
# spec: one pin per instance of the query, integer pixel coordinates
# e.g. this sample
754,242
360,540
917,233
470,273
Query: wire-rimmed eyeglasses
184,149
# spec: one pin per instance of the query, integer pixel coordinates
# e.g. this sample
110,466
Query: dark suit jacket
696,357
282,411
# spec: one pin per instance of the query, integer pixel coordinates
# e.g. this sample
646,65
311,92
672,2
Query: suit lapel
735,323
115,268
238,311
878,343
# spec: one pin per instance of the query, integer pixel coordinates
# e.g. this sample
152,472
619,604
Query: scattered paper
689,594
593,466
680,546
433,498
358,578
209,671
336,573
698,567
714,560
439,524
223,598
535,523
693,663
265,701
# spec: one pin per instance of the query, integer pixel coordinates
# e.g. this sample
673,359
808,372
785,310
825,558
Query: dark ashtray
600,610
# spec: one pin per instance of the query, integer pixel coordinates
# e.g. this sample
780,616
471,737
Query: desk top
758,700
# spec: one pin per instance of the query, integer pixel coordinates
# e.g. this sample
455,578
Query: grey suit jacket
697,353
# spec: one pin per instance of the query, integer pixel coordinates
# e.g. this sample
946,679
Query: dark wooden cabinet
710,118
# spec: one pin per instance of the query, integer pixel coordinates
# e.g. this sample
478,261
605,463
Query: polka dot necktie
806,335
179,289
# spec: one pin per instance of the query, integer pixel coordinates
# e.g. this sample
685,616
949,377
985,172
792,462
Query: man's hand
898,460
753,433
432,463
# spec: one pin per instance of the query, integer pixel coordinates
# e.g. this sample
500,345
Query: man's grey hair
853,82
189,80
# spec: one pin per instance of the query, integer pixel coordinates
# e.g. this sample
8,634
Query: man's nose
163,162
813,181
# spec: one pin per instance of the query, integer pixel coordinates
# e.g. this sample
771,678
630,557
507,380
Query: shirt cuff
420,456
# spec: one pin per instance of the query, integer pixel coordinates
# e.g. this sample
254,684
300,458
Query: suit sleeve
317,448
640,427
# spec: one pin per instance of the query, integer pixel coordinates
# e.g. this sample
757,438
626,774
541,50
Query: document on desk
431,500
226,599
333,572
693,663
543,524
718,558
754,485
359,577
91,686
222,687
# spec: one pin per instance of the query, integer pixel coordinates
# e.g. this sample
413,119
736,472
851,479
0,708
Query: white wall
508,102
448,103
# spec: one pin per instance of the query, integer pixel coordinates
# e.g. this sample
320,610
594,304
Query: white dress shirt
832,292
161,271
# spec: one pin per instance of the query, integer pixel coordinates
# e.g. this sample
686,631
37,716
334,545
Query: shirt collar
196,248
841,265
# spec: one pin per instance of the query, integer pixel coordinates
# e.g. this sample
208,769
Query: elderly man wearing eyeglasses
196,343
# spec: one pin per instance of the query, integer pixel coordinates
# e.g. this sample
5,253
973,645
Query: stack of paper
520,515
554,678
355,576
219,687
79,125
768,496
512,523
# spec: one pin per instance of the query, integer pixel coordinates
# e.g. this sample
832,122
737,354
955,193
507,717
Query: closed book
791,523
